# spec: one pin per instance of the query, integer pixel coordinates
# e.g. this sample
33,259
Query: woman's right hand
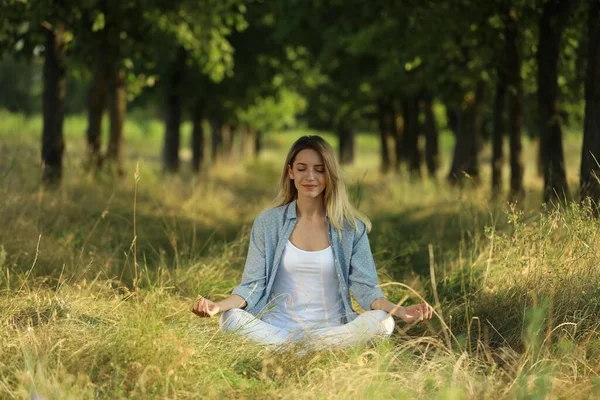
205,308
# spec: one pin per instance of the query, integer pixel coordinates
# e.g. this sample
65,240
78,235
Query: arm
254,278
362,275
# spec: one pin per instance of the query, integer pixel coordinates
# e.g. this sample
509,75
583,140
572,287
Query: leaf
99,22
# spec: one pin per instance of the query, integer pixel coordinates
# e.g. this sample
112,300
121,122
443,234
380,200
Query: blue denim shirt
353,260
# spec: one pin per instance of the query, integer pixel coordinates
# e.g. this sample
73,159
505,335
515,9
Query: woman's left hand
415,313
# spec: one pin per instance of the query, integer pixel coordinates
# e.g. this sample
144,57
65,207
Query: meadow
97,279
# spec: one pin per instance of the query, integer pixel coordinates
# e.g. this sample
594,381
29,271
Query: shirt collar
291,210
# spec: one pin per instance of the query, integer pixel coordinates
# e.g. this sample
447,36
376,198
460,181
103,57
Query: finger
205,307
200,305
201,300
430,311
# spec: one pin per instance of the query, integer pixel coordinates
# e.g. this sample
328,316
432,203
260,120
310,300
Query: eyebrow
306,165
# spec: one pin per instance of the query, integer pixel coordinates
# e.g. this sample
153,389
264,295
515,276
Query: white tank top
305,291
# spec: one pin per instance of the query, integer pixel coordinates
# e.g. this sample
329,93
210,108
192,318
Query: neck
310,208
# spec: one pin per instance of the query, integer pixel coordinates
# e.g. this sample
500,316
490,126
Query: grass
518,285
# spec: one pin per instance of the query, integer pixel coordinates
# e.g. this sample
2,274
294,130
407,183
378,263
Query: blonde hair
336,199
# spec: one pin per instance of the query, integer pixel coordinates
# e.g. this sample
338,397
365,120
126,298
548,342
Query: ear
290,172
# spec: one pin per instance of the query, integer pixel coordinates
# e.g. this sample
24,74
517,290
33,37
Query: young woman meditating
305,257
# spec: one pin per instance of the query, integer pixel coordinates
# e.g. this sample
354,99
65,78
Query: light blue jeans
368,326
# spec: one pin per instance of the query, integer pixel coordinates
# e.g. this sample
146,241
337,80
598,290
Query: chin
313,195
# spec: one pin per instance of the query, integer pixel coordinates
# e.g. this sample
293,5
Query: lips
310,186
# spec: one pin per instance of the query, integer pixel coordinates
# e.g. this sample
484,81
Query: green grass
519,286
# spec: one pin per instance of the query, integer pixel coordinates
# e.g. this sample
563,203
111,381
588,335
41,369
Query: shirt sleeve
363,274
254,278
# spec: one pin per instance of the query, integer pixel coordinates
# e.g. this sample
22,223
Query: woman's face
308,173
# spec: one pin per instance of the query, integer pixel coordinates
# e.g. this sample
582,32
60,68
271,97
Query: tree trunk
382,111
398,132
173,117
590,153
257,143
228,136
346,142
216,144
477,118
118,109
197,136
53,144
453,116
468,139
515,106
97,104
498,130
172,133
410,108
458,122
552,23
431,136
234,130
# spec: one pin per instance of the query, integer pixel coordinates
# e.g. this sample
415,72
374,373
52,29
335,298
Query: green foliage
273,113
20,93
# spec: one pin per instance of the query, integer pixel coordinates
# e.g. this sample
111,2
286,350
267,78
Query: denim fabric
352,257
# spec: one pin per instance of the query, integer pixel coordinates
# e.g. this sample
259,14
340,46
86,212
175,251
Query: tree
498,129
465,162
197,144
590,153
53,102
431,136
384,126
174,79
25,25
515,104
552,24
410,112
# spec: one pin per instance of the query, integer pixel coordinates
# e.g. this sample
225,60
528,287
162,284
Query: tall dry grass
91,307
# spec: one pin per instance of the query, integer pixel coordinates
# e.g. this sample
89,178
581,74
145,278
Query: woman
304,258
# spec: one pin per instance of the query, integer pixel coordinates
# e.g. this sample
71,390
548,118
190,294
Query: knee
386,321
387,325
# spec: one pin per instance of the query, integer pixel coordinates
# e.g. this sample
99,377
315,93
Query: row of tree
508,54
499,67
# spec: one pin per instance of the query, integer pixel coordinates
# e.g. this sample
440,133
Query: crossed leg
242,322
368,326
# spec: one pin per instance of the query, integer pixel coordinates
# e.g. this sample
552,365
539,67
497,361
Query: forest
140,138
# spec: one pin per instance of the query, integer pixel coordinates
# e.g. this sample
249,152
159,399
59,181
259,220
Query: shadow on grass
401,240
